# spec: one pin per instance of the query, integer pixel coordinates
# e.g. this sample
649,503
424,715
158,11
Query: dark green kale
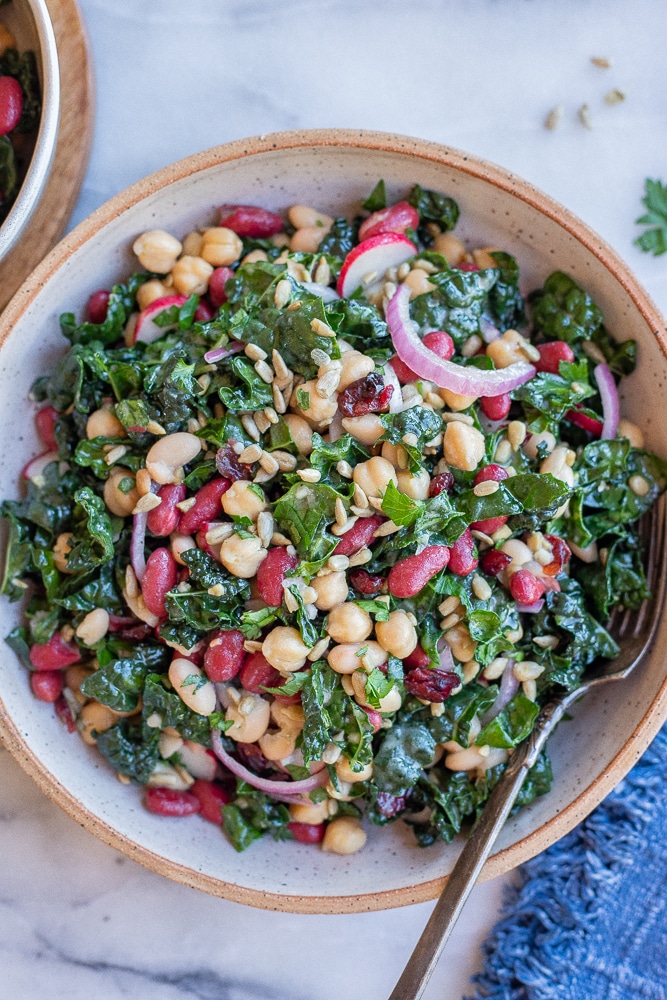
457,303
434,207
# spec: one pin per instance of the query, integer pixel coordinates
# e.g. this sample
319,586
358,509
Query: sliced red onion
218,353
531,609
326,293
446,374
488,330
509,685
446,657
336,429
610,403
138,541
285,790
391,378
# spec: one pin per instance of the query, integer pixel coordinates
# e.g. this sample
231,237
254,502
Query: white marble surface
76,918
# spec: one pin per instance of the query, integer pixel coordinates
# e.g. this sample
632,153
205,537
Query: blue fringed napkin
588,919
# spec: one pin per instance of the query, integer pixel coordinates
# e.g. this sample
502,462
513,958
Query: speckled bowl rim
507,182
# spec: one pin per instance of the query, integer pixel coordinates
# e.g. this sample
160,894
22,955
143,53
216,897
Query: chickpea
556,464
354,365
7,40
396,454
418,283
74,677
180,544
460,642
483,259
61,550
166,458
191,275
375,475
414,486
464,760
450,247
344,835
157,250
397,635
366,429
320,411
95,718
455,401
279,745
344,659
284,648
307,239
391,702
192,244
301,432
250,716
242,556
151,291
119,503
220,246
340,794
191,685
243,499
532,443
305,812
331,590
507,350
94,626
463,446
303,216
634,434
349,623
104,423
346,773
254,257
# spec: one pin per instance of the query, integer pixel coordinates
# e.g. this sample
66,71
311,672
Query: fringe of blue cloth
588,917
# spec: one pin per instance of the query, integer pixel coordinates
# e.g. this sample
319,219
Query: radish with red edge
45,422
35,467
216,285
146,329
373,257
56,654
394,219
11,104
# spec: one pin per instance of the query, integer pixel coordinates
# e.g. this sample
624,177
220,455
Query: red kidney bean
403,373
11,104
271,573
164,519
407,577
64,713
56,654
205,508
417,658
440,343
393,219
203,312
525,587
216,285
431,685
552,354
490,473
493,561
366,583
374,717
307,833
228,465
257,673
160,576
586,423
442,483
463,555
496,407
212,797
224,655
287,699
250,220
45,422
97,307
168,802
359,535
47,685
489,524
212,550
561,555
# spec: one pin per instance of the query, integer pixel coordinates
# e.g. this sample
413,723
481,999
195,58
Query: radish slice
446,374
218,353
146,329
509,685
609,398
279,788
326,293
373,257
35,467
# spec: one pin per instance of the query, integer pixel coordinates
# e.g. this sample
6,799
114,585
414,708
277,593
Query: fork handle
476,850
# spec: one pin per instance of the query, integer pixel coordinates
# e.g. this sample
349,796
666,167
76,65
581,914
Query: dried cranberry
228,464
390,805
366,395
252,757
442,483
64,713
431,685
493,562
561,555
366,583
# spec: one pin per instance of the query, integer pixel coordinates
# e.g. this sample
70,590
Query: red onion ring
391,378
610,403
446,374
278,789
446,657
218,353
509,685
488,331
137,543
326,293
336,429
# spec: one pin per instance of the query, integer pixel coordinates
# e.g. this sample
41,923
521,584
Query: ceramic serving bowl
30,23
331,170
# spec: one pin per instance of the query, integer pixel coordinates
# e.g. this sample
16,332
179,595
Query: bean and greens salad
327,510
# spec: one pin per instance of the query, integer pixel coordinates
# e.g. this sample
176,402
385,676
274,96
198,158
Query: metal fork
633,631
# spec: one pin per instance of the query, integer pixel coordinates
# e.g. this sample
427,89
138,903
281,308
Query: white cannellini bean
199,693
169,454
